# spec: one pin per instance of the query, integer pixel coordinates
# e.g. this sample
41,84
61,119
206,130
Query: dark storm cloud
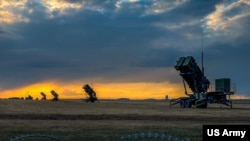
192,10
119,41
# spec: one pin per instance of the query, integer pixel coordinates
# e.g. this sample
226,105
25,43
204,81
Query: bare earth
110,120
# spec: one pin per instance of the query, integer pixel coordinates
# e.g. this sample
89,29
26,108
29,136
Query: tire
187,104
182,103
202,106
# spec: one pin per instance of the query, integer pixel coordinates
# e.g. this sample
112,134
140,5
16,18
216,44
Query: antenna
202,67
202,54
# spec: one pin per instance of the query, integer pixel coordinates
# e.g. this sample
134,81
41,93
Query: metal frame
199,84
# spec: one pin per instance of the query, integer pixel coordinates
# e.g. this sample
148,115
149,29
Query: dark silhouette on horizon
91,93
55,95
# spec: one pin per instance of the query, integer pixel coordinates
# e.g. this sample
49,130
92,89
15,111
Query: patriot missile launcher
194,77
91,94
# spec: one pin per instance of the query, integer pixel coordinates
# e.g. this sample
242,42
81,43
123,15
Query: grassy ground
110,120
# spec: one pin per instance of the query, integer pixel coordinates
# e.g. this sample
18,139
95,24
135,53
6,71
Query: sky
122,48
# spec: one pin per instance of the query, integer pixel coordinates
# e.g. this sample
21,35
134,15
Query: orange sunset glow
140,90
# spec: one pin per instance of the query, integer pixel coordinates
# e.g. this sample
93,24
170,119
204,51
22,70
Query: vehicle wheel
182,103
202,106
187,104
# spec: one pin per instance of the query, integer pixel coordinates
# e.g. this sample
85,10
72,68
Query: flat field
75,120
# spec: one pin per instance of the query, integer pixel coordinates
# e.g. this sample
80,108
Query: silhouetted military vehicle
43,96
199,84
29,97
90,93
55,95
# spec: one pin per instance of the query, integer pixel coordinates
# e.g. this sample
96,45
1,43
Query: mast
202,67
202,55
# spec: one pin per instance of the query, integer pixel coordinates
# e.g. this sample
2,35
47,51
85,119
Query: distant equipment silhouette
43,96
29,97
55,95
90,92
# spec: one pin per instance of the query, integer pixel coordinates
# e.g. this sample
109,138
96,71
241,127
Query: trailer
200,97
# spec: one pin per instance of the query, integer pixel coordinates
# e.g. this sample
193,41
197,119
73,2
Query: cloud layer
121,41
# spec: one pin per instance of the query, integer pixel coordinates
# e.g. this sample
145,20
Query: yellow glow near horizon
73,90
140,90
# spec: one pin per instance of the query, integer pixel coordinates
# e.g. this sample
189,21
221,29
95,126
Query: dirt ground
119,117
110,120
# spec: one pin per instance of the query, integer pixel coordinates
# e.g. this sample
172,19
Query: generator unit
223,84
